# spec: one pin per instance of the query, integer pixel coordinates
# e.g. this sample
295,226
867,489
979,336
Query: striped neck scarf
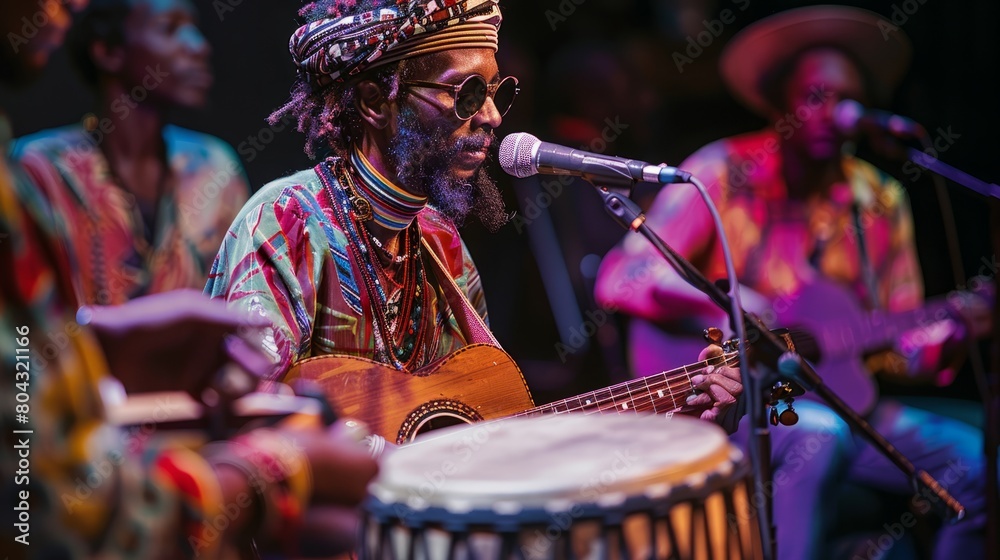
392,207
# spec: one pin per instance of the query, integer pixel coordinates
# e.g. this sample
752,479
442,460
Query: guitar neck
886,328
659,393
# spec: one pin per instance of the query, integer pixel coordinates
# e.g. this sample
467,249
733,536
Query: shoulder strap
858,201
867,272
472,325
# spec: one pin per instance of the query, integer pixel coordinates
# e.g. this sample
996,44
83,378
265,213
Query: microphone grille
517,154
846,115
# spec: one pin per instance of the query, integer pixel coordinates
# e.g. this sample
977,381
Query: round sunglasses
471,94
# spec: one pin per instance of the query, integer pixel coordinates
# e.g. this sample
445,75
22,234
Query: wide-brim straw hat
872,40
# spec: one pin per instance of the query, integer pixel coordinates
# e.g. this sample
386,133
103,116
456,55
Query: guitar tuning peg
780,391
788,417
713,336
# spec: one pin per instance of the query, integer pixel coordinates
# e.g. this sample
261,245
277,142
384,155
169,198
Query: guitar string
611,403
682,386
669,382
648,401
600,401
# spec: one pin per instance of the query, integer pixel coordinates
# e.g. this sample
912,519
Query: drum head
553,462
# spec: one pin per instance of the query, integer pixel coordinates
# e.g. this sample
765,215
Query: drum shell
701,514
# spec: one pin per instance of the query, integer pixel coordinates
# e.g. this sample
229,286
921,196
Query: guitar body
478,382
843,331
827,324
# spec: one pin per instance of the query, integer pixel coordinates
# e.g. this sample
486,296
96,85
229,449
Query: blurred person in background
144,203
800,214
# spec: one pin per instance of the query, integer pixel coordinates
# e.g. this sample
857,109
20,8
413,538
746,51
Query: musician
79,487
361,255
146,202
787,195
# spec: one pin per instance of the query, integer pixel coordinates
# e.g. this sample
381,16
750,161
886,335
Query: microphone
849,116
523,155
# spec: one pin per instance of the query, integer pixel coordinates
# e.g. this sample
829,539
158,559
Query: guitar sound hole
435,415
438,422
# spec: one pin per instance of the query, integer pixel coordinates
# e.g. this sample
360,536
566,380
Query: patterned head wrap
334,49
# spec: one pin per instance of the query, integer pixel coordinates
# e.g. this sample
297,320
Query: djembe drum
565,486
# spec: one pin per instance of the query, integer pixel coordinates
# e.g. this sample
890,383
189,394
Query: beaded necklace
400,331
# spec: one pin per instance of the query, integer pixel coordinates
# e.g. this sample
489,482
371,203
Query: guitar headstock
714,337
731,345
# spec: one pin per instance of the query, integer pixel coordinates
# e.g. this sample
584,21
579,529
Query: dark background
581,62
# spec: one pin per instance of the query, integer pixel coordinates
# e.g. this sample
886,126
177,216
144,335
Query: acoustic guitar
827,325
477,382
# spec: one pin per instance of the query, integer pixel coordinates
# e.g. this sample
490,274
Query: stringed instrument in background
477,382
827,325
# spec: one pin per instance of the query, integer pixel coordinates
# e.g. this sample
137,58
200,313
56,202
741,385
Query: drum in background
564,486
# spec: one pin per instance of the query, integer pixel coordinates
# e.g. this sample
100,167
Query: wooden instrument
565,486
477,382
828,326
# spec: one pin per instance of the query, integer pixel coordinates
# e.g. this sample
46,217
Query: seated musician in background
788,197
146,203
361,255
79,487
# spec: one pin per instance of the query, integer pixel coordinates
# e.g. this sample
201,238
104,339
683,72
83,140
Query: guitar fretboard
662,392
879,330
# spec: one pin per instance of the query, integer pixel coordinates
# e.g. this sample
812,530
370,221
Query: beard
423,159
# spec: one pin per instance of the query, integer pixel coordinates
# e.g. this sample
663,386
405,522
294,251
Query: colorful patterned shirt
290,257
82,488
112,255
779,242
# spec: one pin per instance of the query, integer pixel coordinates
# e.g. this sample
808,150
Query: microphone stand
788,366
935,165
990,387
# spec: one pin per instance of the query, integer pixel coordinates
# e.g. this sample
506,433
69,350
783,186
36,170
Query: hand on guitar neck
935,351
719,390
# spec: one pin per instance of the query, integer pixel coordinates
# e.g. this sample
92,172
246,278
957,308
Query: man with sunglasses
337,256
361,255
